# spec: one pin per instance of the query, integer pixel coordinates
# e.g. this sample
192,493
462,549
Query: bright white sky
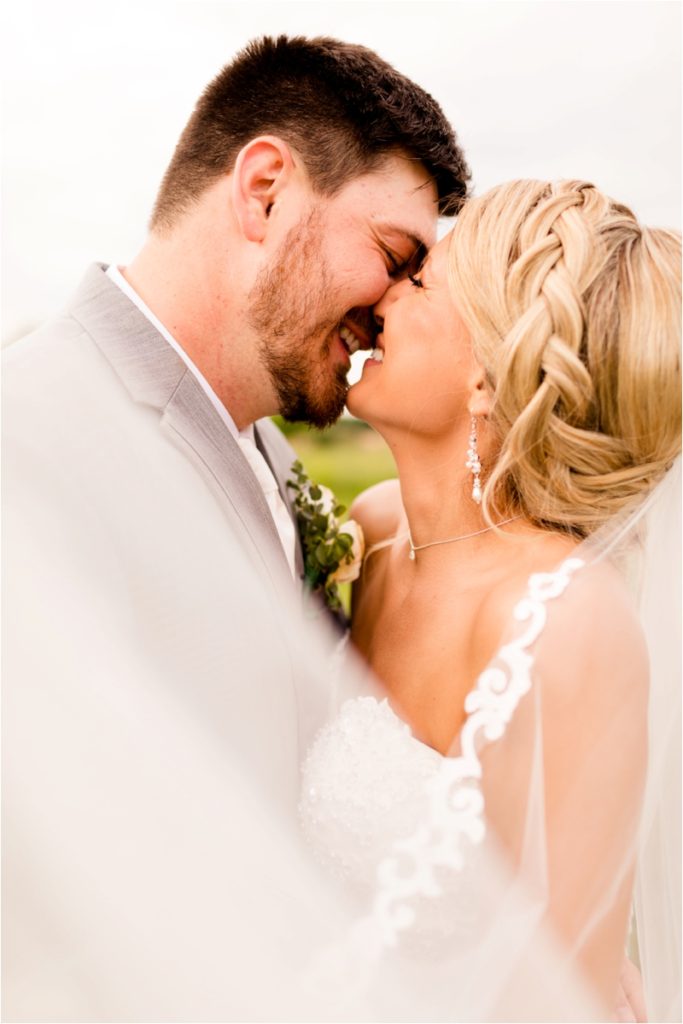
96,93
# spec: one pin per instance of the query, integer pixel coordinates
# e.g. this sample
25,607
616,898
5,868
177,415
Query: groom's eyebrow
397,229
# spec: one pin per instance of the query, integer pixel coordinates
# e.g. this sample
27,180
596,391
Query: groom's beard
287,306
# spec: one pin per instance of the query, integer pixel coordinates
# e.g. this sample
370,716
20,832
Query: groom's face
311,306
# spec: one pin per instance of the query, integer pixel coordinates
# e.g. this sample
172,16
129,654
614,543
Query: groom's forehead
399,201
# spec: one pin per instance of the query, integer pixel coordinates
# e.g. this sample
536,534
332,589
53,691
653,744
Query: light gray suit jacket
153,638
154,375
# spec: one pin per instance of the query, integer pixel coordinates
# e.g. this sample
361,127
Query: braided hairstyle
574,310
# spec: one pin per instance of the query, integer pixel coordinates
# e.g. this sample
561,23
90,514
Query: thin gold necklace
452,540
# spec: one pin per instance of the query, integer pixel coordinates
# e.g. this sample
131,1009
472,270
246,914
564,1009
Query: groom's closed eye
403,249
410,266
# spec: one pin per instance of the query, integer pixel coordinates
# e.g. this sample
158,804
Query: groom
151,561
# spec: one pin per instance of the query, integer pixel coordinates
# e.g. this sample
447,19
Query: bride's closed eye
415,281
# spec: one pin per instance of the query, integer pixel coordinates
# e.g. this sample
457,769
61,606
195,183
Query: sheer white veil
648,545
657,901
193,899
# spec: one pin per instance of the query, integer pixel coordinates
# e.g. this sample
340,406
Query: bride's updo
574,310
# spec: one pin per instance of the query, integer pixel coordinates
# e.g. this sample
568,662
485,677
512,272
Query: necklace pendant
411,556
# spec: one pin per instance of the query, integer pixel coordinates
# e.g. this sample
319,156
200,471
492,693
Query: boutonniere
333,551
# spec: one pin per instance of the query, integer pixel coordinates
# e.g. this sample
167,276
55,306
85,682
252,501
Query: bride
487,807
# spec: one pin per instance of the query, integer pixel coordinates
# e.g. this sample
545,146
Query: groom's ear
262,170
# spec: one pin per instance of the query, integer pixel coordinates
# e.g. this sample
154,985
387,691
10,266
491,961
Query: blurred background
95,95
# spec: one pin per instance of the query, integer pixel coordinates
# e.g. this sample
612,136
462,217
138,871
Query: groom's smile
356,332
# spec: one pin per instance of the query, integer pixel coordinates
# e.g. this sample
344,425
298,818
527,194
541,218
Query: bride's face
424,381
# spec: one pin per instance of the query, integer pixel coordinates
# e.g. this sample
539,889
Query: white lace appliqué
453,820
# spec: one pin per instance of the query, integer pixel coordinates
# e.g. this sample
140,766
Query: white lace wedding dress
384,812
407,832
364,787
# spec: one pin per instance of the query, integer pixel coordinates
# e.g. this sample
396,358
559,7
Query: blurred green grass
348,457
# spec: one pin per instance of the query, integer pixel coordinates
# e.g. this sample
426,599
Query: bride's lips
377,357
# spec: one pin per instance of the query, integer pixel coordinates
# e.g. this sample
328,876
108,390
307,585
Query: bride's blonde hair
574,310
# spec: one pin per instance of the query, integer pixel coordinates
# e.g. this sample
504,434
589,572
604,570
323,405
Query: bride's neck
436,488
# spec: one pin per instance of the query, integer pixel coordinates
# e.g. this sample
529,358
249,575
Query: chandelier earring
473,462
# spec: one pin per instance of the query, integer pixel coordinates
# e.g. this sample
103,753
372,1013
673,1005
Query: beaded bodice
363,781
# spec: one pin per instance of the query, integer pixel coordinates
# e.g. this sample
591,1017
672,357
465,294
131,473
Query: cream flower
327,500
349,569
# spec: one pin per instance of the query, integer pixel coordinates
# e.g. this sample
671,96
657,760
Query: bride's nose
393,292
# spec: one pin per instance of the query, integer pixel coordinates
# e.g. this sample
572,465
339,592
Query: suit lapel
190,416
156,376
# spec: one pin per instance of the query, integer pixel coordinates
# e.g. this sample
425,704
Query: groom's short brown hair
342,107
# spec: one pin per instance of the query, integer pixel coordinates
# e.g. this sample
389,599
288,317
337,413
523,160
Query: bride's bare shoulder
593,632
591,626
379,510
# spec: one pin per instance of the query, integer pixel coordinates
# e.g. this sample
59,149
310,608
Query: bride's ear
480,393
262,170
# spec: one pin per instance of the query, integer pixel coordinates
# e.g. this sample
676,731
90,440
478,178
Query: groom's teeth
350,340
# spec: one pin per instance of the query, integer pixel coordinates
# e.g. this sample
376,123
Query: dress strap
381,544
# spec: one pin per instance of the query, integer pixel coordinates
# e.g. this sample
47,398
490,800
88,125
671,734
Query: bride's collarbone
457,590
481,581
406,610
452,612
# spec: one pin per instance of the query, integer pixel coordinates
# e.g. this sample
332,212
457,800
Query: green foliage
325,547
